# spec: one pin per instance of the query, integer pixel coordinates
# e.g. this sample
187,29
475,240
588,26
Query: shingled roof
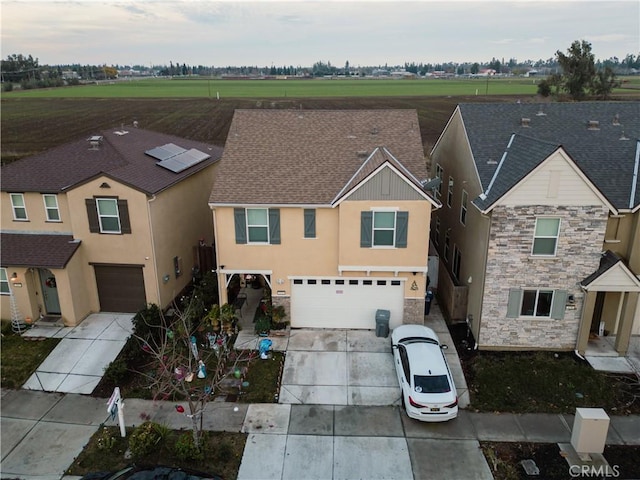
120,156
37,250
306,157
606,153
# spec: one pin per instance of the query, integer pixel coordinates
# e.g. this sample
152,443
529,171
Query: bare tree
189,362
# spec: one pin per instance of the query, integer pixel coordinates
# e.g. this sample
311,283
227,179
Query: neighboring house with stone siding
105,224
327,210
539,234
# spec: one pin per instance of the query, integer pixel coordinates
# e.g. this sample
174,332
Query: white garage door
345,302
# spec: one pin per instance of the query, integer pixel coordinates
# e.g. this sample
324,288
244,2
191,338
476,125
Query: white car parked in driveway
428,391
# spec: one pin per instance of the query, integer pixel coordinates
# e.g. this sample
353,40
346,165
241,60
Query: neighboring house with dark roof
327,209
107,223
539,234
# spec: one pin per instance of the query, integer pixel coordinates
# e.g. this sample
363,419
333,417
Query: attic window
524,122
593,125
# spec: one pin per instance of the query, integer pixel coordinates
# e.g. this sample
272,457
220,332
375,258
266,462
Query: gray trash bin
382,323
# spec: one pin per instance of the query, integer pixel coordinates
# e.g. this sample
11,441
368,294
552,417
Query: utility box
382,323
590,428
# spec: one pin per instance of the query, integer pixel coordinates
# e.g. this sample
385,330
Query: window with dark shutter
274,226
125,222
92,215
366,228
240,222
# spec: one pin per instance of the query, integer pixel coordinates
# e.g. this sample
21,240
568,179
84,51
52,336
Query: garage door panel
344,306
120,288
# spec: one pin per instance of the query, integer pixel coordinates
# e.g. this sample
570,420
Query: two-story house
539,234
107,223
327,207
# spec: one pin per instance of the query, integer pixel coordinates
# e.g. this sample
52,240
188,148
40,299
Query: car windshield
431,384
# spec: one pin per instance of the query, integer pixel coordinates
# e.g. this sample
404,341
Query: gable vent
593,125
524,122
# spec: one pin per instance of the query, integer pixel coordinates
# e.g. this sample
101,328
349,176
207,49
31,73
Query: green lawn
203,88
20,357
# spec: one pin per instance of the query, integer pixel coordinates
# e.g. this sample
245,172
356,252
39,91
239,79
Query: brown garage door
120,288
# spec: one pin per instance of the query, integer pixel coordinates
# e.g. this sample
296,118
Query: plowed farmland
31,125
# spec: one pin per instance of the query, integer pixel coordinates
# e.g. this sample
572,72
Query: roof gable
608,154
382,177
612,275
535,172
119,155
306,157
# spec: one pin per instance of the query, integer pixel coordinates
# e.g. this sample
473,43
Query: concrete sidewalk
43,432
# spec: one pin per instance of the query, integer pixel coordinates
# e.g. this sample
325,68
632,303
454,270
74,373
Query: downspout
484,279
153,249
575,351
221,285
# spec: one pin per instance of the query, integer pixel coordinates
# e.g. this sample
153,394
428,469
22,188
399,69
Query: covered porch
611,312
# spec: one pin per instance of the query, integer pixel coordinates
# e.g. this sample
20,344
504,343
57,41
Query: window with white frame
436,238
258,225
439,174
447,245
18,205
450,192
51,207
457,259
4,282
536,303
108,215
463,208
545,239
384,229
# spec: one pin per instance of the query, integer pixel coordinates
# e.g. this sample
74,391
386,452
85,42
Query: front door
49,292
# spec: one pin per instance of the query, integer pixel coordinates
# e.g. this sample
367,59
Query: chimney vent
616,119
95,142
593,125
524,122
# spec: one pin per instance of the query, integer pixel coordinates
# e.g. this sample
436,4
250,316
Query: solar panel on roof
165,152
184,160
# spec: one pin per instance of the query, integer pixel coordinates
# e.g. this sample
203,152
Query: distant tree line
28,73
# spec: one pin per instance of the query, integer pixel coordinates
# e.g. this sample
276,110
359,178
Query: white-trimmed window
447,245
436,237
545,238
536,303
450,192
384,229
258,225
4,282
457,259
463,208
51,207
19,208
439,174
108,215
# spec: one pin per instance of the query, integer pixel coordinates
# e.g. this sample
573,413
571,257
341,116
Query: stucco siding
510,265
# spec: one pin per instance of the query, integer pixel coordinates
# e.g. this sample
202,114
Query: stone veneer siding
510,265
413,311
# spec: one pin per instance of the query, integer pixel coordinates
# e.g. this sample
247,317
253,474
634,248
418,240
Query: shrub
186,450
144,439
116,370
106,440
7,86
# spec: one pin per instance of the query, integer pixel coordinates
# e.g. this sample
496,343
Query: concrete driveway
339,367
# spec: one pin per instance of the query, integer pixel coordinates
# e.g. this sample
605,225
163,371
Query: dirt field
30,126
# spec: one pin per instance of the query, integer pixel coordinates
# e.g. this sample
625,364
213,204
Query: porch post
585,321
625,325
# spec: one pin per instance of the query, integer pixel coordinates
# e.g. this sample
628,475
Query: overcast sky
264,33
